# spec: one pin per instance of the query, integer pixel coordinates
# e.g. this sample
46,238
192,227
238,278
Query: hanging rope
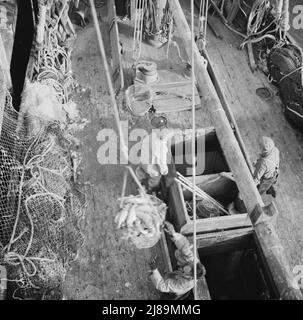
258,29
117,118
108,78
202,23
138,29
193,84
187,184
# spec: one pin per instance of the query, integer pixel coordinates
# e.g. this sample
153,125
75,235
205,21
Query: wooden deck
107,268
256,118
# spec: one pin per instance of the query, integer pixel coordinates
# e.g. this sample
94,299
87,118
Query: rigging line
205,23
139,31
135,28
200,13
144,8
110,87
108,78
193,145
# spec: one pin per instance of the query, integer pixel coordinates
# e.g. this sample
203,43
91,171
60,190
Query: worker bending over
153,160
181,281
267,167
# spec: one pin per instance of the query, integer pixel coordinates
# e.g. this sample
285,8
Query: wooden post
216,82
265,232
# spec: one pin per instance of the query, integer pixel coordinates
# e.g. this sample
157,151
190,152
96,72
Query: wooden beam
213,238
227,108
266,233
217,224
211,104
213,24
243,242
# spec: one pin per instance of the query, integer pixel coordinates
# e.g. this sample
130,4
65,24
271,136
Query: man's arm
259,171
161,157
159,282
177,285
179,240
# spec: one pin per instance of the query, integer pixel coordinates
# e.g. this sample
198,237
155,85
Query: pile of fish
140,219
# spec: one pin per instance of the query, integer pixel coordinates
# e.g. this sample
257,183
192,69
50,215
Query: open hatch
226,243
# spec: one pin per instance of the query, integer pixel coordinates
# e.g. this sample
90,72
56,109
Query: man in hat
267,167
176,284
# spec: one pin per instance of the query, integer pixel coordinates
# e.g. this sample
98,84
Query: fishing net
205,209
40,207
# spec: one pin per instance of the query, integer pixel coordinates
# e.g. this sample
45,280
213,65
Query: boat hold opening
236,271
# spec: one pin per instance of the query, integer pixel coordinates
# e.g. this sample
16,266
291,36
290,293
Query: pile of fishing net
41,203
40,207
140,219
285,68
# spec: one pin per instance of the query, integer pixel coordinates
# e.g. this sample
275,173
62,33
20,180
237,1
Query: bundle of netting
40,207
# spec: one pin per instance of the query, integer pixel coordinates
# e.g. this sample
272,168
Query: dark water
296,30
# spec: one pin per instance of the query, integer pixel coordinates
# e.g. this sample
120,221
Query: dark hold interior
236,271
210,163
212,155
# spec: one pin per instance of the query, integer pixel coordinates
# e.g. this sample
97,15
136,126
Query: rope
189,186
53,66
290,73
19,198
138,30
194,145
11,255
256,20
202,21
112,92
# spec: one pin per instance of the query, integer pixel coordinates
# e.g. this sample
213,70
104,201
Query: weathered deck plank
255,118
105,265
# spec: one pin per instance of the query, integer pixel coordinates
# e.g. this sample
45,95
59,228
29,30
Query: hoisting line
193,84
111,89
